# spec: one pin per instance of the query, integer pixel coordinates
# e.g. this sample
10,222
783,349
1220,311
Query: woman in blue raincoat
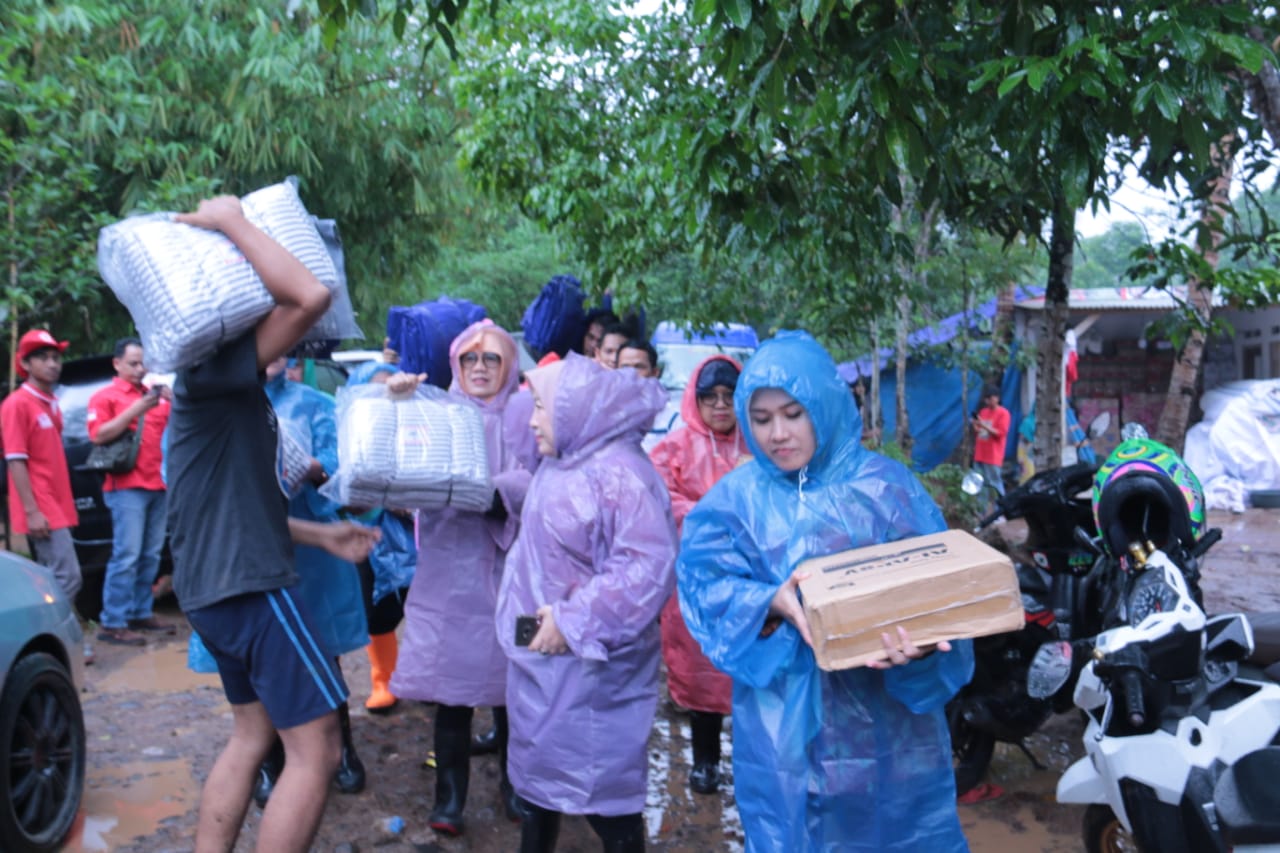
857,759
593,565
329,586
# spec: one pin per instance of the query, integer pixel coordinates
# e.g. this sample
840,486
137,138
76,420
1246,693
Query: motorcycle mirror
972,483
1099,424
1050,669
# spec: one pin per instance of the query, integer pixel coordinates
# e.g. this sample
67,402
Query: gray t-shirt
228,518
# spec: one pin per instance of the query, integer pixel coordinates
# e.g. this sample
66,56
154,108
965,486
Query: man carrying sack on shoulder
127,410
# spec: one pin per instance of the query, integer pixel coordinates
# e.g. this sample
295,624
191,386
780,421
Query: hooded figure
328,586
595,555
449,654
858,759
691,460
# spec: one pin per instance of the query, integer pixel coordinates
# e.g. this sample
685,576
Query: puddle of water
160,668
125,802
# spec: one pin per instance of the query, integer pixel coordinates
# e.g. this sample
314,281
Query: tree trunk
902,423
1264,90
1047,450
1186,370
966,442
874,423
1001,335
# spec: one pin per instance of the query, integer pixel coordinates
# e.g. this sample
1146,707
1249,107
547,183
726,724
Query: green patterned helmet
1145,492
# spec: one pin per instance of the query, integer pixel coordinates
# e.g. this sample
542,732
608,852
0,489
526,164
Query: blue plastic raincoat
448,651
329,586
597,544
857,759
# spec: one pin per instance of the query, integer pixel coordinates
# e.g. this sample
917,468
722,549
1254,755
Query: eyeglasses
717,398
470,359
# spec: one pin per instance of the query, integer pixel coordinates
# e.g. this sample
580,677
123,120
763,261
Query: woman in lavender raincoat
594,564
449,654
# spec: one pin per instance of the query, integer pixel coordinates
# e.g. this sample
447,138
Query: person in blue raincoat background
329,586
857,759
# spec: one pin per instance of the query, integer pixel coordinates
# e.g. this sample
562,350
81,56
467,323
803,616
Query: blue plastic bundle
422,334
555,321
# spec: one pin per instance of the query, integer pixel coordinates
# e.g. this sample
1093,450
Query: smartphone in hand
526,627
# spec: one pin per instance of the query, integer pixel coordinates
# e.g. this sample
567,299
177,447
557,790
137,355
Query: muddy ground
154,729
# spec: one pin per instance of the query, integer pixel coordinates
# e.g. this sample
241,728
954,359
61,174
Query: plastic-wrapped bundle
423,451
422,333
293,460
189,290
555,320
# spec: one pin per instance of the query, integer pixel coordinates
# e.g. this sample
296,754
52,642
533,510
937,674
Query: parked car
42,737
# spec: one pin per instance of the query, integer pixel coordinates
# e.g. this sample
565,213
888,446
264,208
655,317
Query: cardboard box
944,586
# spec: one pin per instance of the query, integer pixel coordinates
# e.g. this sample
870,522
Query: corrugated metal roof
1118,299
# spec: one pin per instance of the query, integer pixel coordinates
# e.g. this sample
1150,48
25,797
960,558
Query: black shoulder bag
118,456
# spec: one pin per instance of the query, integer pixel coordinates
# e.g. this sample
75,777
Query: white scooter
1173,714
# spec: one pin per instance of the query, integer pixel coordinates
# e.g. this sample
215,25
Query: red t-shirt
31,426
991,449
104,406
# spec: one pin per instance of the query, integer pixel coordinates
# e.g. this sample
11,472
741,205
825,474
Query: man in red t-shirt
136,499
40,501
991,424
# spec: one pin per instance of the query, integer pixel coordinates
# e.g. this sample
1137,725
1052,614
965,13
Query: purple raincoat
597,543
448,652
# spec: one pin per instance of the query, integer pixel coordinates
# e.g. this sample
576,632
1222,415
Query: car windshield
680,360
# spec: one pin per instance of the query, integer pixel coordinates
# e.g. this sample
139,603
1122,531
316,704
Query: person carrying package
991,433
691,460
230,536
450,654
578,608
329,586
854,759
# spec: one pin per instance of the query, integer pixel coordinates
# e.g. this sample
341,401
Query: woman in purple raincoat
593,564
448,653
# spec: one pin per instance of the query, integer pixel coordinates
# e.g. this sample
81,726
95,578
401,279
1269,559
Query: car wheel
42,744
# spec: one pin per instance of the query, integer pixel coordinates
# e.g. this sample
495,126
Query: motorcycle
1059,606
1080,524
1181,728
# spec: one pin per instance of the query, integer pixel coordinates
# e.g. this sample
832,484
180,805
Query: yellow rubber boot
382,650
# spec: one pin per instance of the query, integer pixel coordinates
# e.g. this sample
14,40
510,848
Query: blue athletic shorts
266,653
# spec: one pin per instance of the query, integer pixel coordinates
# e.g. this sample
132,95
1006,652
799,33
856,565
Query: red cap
36,339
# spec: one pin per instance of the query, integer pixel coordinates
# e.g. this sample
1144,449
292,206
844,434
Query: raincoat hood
466,341
593,405
797,364
689,402
363,374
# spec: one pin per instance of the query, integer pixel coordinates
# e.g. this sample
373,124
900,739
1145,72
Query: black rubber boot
350,775
510,801
704,778
453,768
539,829
620,833
268,772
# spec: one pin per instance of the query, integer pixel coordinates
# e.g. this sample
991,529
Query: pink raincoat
691,460
596,543
448,651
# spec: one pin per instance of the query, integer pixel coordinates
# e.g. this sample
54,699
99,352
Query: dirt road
154,729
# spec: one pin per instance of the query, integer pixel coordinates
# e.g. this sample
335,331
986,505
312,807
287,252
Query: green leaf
1010,83
738,12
